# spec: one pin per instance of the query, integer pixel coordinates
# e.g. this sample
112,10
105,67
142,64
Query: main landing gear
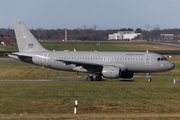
148,77
90,78
98,78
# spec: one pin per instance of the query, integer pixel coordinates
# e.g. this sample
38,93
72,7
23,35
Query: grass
108,46
124,116
49,98
104,46
110,99
20,71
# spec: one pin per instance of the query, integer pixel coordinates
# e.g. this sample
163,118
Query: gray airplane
106,64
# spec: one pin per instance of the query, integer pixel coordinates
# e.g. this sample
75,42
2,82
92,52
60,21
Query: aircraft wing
91,67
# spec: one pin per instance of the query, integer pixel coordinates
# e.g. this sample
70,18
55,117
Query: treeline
156,34
76,34
8,35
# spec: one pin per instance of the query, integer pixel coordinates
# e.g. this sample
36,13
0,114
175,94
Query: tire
149,80
98,78
90,78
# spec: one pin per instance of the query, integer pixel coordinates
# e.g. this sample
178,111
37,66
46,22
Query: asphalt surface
175,44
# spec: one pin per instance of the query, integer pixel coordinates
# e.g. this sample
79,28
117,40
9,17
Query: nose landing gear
148,77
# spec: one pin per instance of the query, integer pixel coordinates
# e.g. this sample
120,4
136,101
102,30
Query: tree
138,30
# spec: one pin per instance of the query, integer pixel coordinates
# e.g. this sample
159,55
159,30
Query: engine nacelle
126,74
111,72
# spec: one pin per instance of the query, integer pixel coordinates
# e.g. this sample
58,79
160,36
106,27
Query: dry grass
102,116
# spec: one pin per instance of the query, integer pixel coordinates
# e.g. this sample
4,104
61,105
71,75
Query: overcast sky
105,14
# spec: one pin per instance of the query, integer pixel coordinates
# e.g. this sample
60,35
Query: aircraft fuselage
142,62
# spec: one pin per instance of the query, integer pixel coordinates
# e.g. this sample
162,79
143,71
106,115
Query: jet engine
126,74
111,72
115,72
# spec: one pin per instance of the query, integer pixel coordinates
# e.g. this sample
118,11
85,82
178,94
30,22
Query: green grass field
104,46
110,99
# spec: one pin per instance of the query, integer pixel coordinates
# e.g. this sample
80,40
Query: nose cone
171,66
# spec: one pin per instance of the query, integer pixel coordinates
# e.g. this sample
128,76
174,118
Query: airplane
104,64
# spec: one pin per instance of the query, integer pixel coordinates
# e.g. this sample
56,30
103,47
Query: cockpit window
165,58
161,59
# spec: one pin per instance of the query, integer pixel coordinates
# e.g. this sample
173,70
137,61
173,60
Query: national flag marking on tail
25,36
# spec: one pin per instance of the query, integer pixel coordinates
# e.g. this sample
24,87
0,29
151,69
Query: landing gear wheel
148,77
149,80
98,78
89,78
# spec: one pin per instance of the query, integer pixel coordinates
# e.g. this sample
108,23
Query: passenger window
158,59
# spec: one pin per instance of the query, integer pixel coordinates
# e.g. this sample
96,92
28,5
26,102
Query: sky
102,14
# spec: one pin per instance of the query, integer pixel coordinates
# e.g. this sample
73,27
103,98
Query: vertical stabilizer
25,40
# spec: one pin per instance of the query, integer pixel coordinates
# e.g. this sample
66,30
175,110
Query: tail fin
25,40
